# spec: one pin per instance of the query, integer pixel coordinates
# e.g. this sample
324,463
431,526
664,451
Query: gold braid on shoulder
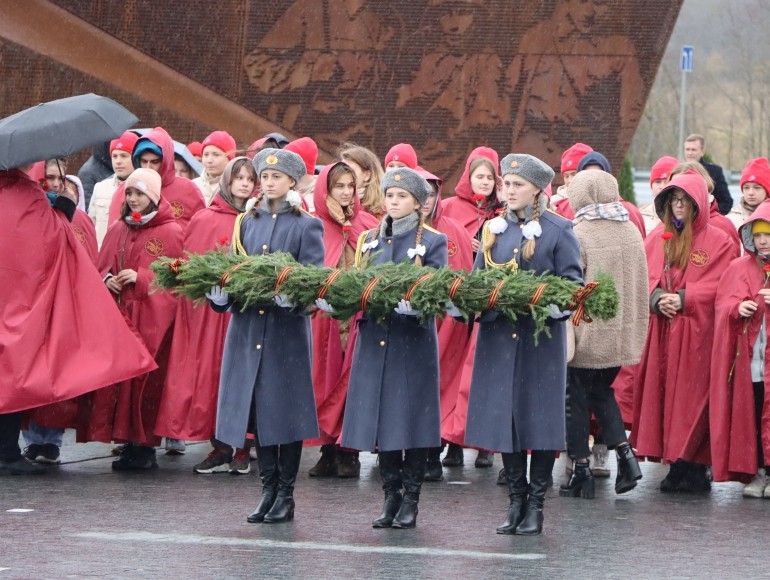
237,246
488,240
360,248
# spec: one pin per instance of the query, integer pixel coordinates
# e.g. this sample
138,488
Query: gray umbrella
59,128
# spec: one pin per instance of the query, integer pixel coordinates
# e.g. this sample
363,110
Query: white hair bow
294,198
498,225
418,249
531,230
369,245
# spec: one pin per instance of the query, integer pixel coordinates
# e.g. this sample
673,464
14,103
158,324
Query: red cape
128,411
182,195
672,386
331,366
60,333
188,407
462,206
85,232
731,411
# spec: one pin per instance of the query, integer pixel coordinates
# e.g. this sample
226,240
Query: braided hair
529,247
418,237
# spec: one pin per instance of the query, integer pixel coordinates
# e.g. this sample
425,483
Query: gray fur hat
531,168
409,180
281,160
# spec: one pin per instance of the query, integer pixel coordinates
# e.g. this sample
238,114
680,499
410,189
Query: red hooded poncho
463,208
85,232
453,336
731,410
127,411
183,197
188,408
331,365
671,387
60,333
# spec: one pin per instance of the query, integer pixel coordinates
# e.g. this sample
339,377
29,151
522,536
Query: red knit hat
757,171
663,168
125,142
306,148
221,140
195,148
404,153
572,156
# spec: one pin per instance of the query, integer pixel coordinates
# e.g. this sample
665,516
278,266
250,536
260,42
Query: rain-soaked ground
83,520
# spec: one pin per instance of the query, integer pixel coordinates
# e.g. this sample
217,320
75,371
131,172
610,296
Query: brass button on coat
259,347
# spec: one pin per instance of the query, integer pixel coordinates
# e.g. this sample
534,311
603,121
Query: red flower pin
136,216
667,236
223,241
345,230
766,269
479,197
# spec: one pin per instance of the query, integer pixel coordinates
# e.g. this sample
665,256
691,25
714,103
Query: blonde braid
418,238
529,247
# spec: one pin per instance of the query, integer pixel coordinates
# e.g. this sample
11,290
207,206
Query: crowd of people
681,367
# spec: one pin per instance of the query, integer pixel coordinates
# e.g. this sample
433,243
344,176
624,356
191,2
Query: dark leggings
591,390
10,428
759,401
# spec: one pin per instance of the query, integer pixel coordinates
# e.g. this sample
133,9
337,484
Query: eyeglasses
683,201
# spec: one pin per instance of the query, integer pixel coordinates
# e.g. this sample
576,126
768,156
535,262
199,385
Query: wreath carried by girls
254,281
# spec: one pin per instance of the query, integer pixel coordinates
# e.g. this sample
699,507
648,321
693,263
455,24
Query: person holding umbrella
55,271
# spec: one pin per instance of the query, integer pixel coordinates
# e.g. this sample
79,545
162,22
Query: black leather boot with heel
390,471
541,466
267,460
515,466
289,456
629,471
581,483
412,475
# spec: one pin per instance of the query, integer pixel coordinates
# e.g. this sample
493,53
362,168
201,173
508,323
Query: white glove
452,310
323,305
405,307
556,313
218,296
283,301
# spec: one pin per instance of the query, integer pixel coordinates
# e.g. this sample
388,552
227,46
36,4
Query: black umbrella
60,128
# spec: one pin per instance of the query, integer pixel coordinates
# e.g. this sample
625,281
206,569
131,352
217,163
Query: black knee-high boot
540,468
515,466
289,456
413,474
267,460
390,470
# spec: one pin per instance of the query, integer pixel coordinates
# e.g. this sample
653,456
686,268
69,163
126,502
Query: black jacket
721,192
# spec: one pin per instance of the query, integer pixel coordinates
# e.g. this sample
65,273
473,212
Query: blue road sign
685,60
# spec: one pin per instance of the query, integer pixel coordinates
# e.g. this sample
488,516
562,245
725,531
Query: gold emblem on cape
154,246
514,164
699,257
271,160
177,209
397,177
79,234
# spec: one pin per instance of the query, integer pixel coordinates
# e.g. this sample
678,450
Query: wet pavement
82,520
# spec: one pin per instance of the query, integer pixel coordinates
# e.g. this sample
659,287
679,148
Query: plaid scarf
602,211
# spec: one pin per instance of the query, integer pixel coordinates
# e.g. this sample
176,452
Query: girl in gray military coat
266,380
393,397
517,392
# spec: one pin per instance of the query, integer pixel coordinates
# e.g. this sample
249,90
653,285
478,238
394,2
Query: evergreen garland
254,281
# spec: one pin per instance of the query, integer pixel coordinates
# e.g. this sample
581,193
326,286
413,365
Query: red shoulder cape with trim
60,332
